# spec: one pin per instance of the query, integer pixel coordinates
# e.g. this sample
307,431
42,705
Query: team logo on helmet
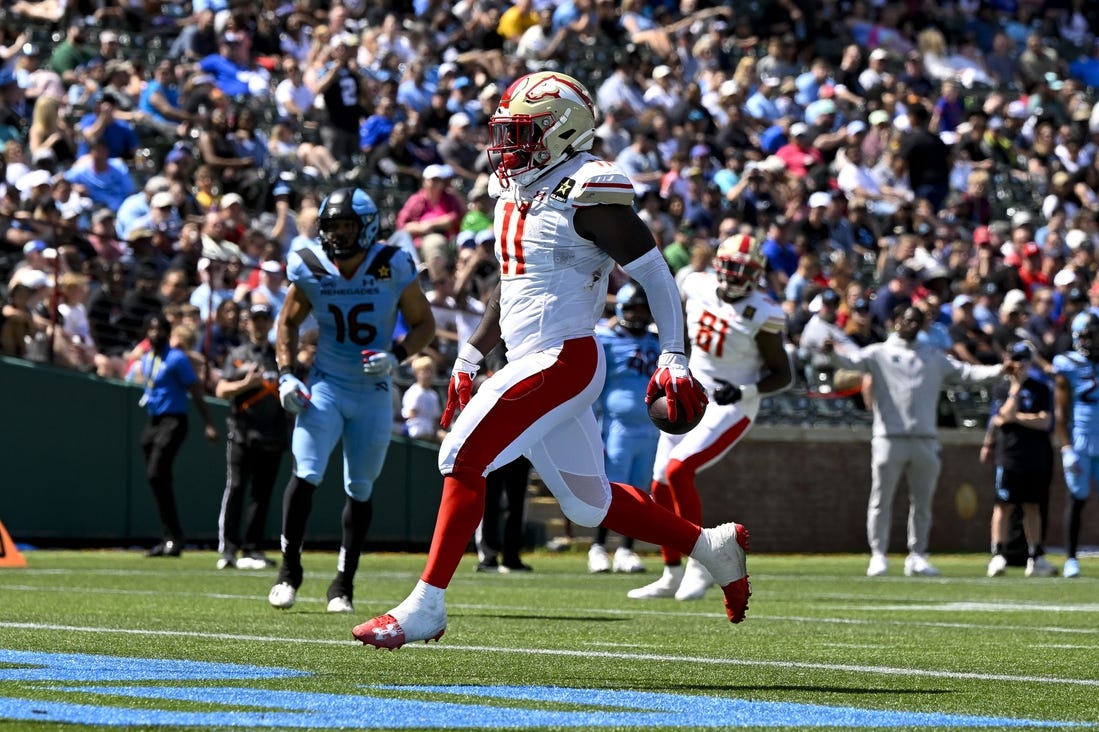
542,119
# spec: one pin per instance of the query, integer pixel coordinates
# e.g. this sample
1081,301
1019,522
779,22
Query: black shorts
1030,485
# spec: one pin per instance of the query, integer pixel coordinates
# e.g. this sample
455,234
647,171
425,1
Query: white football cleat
282,595
696,580
997,565
664,587
626,560
917,565
340,604
723,551
598,561
879,564
418,618
1039,567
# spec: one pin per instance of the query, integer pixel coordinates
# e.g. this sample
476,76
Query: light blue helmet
1085,334
348,204
631,307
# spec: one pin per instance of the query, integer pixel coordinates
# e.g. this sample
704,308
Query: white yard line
633,610
584,654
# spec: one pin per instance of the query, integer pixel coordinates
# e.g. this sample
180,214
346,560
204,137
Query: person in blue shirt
168,377
1076,424
101,125
355,287
629,437
103,179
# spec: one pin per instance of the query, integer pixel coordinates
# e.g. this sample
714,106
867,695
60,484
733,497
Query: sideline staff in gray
907,376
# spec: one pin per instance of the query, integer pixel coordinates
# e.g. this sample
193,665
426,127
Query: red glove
673,380
460,389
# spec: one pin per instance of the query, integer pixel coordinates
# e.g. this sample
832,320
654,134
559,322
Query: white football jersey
553,282
723,334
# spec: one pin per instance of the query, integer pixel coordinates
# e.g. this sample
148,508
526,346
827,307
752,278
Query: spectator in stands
102,178
926,158
343,87
421,406
434,209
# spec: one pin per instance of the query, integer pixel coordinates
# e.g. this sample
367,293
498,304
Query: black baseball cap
261,310
1021,351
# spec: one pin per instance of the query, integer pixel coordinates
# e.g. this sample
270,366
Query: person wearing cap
456,150
343,87
761,105
908,377
1017,443
799,154
875,76
258,432
897,291
970,343
434,209
271,288
821,327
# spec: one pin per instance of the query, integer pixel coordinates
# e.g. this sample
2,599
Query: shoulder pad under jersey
596,182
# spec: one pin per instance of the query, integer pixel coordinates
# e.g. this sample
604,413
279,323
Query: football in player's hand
658,414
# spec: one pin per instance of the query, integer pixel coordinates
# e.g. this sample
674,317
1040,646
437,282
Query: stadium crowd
167,157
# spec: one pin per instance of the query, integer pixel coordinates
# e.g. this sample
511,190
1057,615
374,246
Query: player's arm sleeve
652,273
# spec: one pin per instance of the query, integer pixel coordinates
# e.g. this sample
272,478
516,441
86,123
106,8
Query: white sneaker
879,565
626,560
598,561
696,580
1039,567
227,561
1072,568
997,565
723,551
340,604
917,565
282,595
417,618
664,587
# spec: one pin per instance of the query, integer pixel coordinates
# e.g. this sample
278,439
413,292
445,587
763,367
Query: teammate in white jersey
738,354
563,218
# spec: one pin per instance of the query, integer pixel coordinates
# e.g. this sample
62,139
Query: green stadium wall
73,471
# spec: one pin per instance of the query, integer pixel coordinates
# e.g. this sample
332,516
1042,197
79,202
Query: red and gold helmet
542,119
739,264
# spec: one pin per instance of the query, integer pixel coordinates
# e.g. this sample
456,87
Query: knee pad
587,500
359,490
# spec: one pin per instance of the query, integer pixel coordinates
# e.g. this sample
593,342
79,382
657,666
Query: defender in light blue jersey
355,288
629,437
1076,424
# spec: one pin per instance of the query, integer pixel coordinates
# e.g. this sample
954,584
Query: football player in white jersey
563,218
738,354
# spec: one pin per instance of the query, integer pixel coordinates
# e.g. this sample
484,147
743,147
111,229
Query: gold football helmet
542,119
739,264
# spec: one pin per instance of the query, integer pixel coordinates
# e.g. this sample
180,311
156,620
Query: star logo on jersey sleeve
383,272
561,192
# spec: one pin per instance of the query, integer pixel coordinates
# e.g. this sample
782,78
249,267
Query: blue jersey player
1076,396
355,287
631,351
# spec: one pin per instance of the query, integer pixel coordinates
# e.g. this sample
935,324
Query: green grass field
107,638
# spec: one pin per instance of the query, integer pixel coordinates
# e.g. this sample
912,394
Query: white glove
379,363
293,394
1069,461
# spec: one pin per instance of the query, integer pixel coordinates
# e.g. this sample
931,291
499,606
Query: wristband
470,354
1066,447
399,351
749,391
286,371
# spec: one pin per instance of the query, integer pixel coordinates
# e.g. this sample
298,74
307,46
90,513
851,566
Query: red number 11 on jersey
511,240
